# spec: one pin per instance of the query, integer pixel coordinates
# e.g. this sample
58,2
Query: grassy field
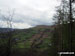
36,41
24,41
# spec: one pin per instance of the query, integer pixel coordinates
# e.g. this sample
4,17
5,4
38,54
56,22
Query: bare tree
8,18
64,30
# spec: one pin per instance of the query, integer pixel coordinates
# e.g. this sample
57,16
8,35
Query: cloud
15,25
21,25
29,12
3,24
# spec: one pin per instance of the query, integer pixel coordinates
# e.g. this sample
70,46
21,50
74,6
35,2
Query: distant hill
42,26
3,30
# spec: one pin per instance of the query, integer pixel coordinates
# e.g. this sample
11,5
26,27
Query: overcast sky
28,13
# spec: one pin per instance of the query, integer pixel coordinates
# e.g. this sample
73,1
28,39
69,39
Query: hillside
26,38
40,40
37,38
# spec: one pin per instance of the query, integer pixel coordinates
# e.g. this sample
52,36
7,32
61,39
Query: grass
23,44
45,43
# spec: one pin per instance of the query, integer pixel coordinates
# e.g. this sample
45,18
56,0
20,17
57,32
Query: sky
27,13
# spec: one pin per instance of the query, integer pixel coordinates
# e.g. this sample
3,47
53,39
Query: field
26,42
37,41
